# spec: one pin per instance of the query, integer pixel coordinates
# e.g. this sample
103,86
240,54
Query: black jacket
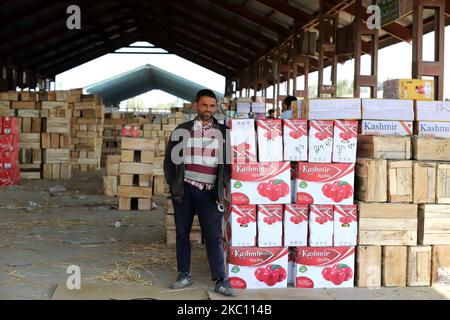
174,173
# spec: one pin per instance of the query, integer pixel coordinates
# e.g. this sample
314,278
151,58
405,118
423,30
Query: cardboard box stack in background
9,151
86,131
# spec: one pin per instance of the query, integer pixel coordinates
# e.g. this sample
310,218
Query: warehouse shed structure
253,43
144,79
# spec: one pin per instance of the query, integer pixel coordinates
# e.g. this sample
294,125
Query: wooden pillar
301,63
434,68
360,30
328,25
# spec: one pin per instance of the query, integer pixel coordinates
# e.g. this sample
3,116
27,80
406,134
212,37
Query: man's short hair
271,111
288,100
205,93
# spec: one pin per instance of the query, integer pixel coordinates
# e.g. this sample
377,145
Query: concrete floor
42,233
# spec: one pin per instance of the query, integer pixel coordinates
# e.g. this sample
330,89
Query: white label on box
243,140
434,129
387,109
295,225
433,110
261,183
240,228
321,226
295,134
387,128
270,140
345,226
320,141
319,183
345,141
257,268
325,267
334,109
270,225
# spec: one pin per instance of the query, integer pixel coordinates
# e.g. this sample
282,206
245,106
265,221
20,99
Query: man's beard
205,116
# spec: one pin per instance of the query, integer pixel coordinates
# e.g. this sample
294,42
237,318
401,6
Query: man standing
196,170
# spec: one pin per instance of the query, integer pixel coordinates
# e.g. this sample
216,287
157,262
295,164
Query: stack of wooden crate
135,169
404,224
111,180
28,110
112,128
87,130
5,104
56,136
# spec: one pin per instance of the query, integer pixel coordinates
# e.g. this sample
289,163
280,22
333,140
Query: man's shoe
224,287
183,280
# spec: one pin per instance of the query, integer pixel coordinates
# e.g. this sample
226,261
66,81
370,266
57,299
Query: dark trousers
202,202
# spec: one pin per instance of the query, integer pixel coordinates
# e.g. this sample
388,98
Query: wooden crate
419,266
387,224
371,180
368,266
440,263
424,182
56,156
110,187
382,147
160,187
140,144
59,171
434,224
135,168
431,149
126,204
443,183
400,181
394,267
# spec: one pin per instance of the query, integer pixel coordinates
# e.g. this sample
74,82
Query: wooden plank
54,140
371,180
135,168
134,192
443,183
86,134
37,156
386,238
47,171
30,105
400,181
112,169
57,125
127,155
440,263
124,204
431,149
49,105
419,266
145,180
30,175
434,225
64,141
36,125
113,159
384,147
46,140
56,156
368,266
137,144
110,187
371,224
28,113
56,171
126,180
387,210
26,125
144,204
424,182
30,141
66,171
394,266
